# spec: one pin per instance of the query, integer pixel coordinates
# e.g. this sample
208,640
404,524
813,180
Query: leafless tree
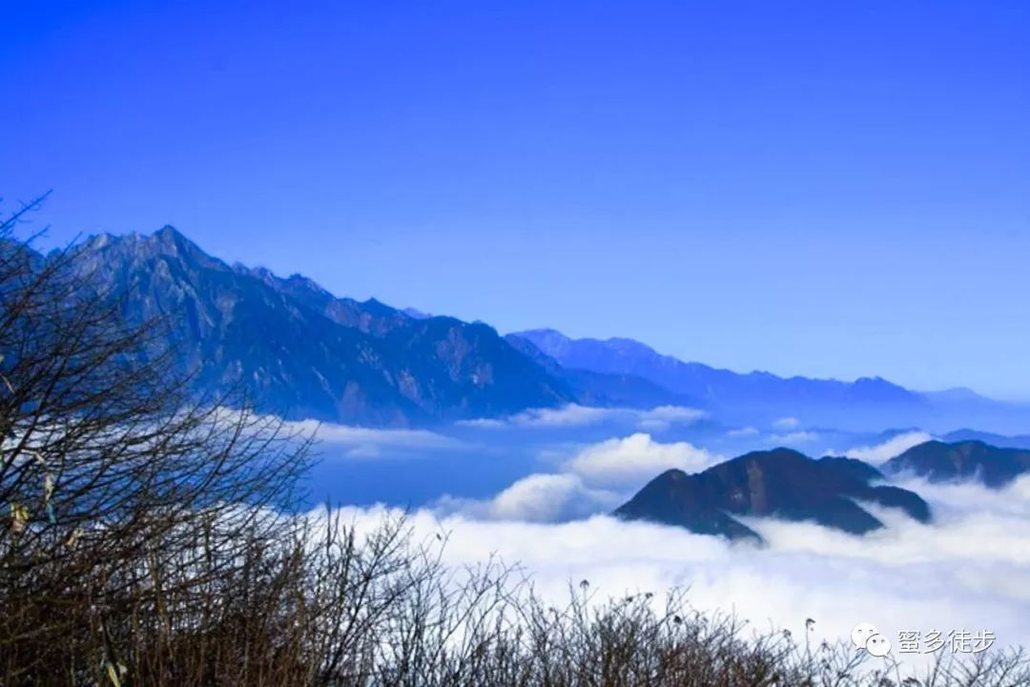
109,467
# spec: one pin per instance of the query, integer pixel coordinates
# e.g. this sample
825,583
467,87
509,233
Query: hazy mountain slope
301,351
601,388
760,397
1002,441
625,356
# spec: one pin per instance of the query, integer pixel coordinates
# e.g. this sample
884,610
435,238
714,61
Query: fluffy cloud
537,498
595,480
631,461
894,446
571,415
787,423
970,570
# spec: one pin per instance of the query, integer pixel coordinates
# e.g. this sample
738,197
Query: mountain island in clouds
962,461
781,483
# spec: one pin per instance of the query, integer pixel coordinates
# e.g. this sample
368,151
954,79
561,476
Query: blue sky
832,189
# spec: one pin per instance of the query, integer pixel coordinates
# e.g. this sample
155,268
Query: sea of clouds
968,570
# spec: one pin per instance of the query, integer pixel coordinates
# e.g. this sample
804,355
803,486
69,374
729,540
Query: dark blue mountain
298,350
938,461
781,483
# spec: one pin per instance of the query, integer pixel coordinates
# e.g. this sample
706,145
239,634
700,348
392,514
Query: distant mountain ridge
1020,441
593,387
626,356
762,397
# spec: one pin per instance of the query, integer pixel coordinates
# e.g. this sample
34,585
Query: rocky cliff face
298,350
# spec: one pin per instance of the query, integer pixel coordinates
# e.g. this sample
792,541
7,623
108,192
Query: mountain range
761,398
300,351
707,384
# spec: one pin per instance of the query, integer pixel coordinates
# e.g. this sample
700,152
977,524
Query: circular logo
861,634
878,645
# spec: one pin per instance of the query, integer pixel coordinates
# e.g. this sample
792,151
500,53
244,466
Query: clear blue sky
821,188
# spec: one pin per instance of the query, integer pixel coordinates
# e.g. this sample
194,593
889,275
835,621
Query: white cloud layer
894,446
970,570
665,417
573,415
365,442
